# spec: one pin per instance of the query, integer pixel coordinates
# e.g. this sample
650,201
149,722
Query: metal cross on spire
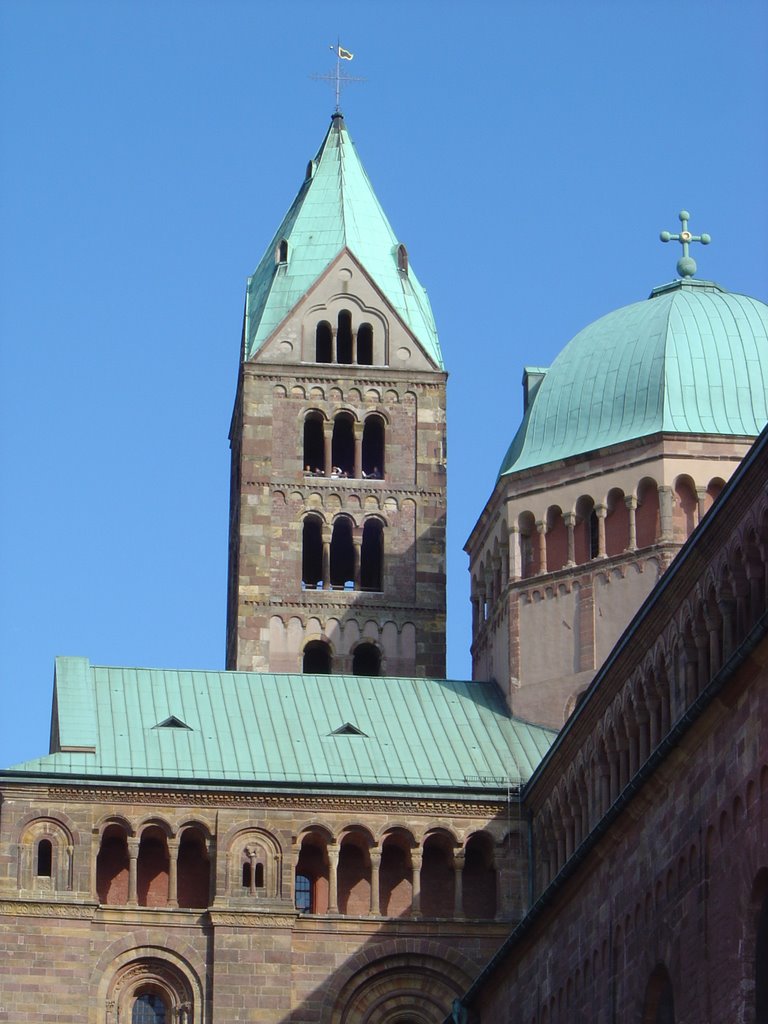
337,77
686,265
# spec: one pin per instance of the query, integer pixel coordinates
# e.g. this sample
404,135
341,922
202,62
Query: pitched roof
251,728
691,359
335,209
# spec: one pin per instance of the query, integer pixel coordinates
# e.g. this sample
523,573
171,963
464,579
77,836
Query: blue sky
528,154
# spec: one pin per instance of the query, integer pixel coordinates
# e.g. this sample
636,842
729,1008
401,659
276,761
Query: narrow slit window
344,338
44,858
365,345
323,342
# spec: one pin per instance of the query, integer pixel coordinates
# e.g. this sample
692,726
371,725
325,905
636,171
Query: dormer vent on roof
402,258
348,730
172,723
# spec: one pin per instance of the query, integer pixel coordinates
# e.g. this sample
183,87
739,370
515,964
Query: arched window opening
282,251
311,880
372,555
149,1008
373,448
659,1000
366,660
194,871
556,539
402,258
479,878
686,506
714,487
343,446
344,338
312,553
616,523
365,345
252,869
314,444
44,858
354,878
437,878
761,965
303,894
342,555
396,879
582,530
153,868
323,342
529,547
112,864
647,516
317,658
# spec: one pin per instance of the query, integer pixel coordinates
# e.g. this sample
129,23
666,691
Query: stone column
613,766
643,731
133,875
328,446
333,882
358,472
568,829
601,511
354,347
665,513
357,546
334,358
326,558
489,588
727,605
701,639
690,673
513,553
569,518
654,715
250,853
458,878
631,503
701,496
416,855
542,530
605,790
375,894
173,872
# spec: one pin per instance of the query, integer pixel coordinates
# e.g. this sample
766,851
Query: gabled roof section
335,209
277,730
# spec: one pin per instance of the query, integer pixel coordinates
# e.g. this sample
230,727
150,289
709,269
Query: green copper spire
335,209
686,265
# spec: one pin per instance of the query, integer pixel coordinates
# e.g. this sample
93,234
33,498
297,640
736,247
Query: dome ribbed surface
692,359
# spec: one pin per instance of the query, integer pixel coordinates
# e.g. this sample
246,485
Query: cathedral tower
337,511
626,441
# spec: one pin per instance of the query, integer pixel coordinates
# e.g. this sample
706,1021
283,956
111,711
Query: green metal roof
693,358
280,729
336,208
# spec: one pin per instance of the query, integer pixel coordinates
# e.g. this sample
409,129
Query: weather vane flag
338,78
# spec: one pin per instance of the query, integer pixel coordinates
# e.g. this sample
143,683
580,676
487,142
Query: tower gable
379,338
